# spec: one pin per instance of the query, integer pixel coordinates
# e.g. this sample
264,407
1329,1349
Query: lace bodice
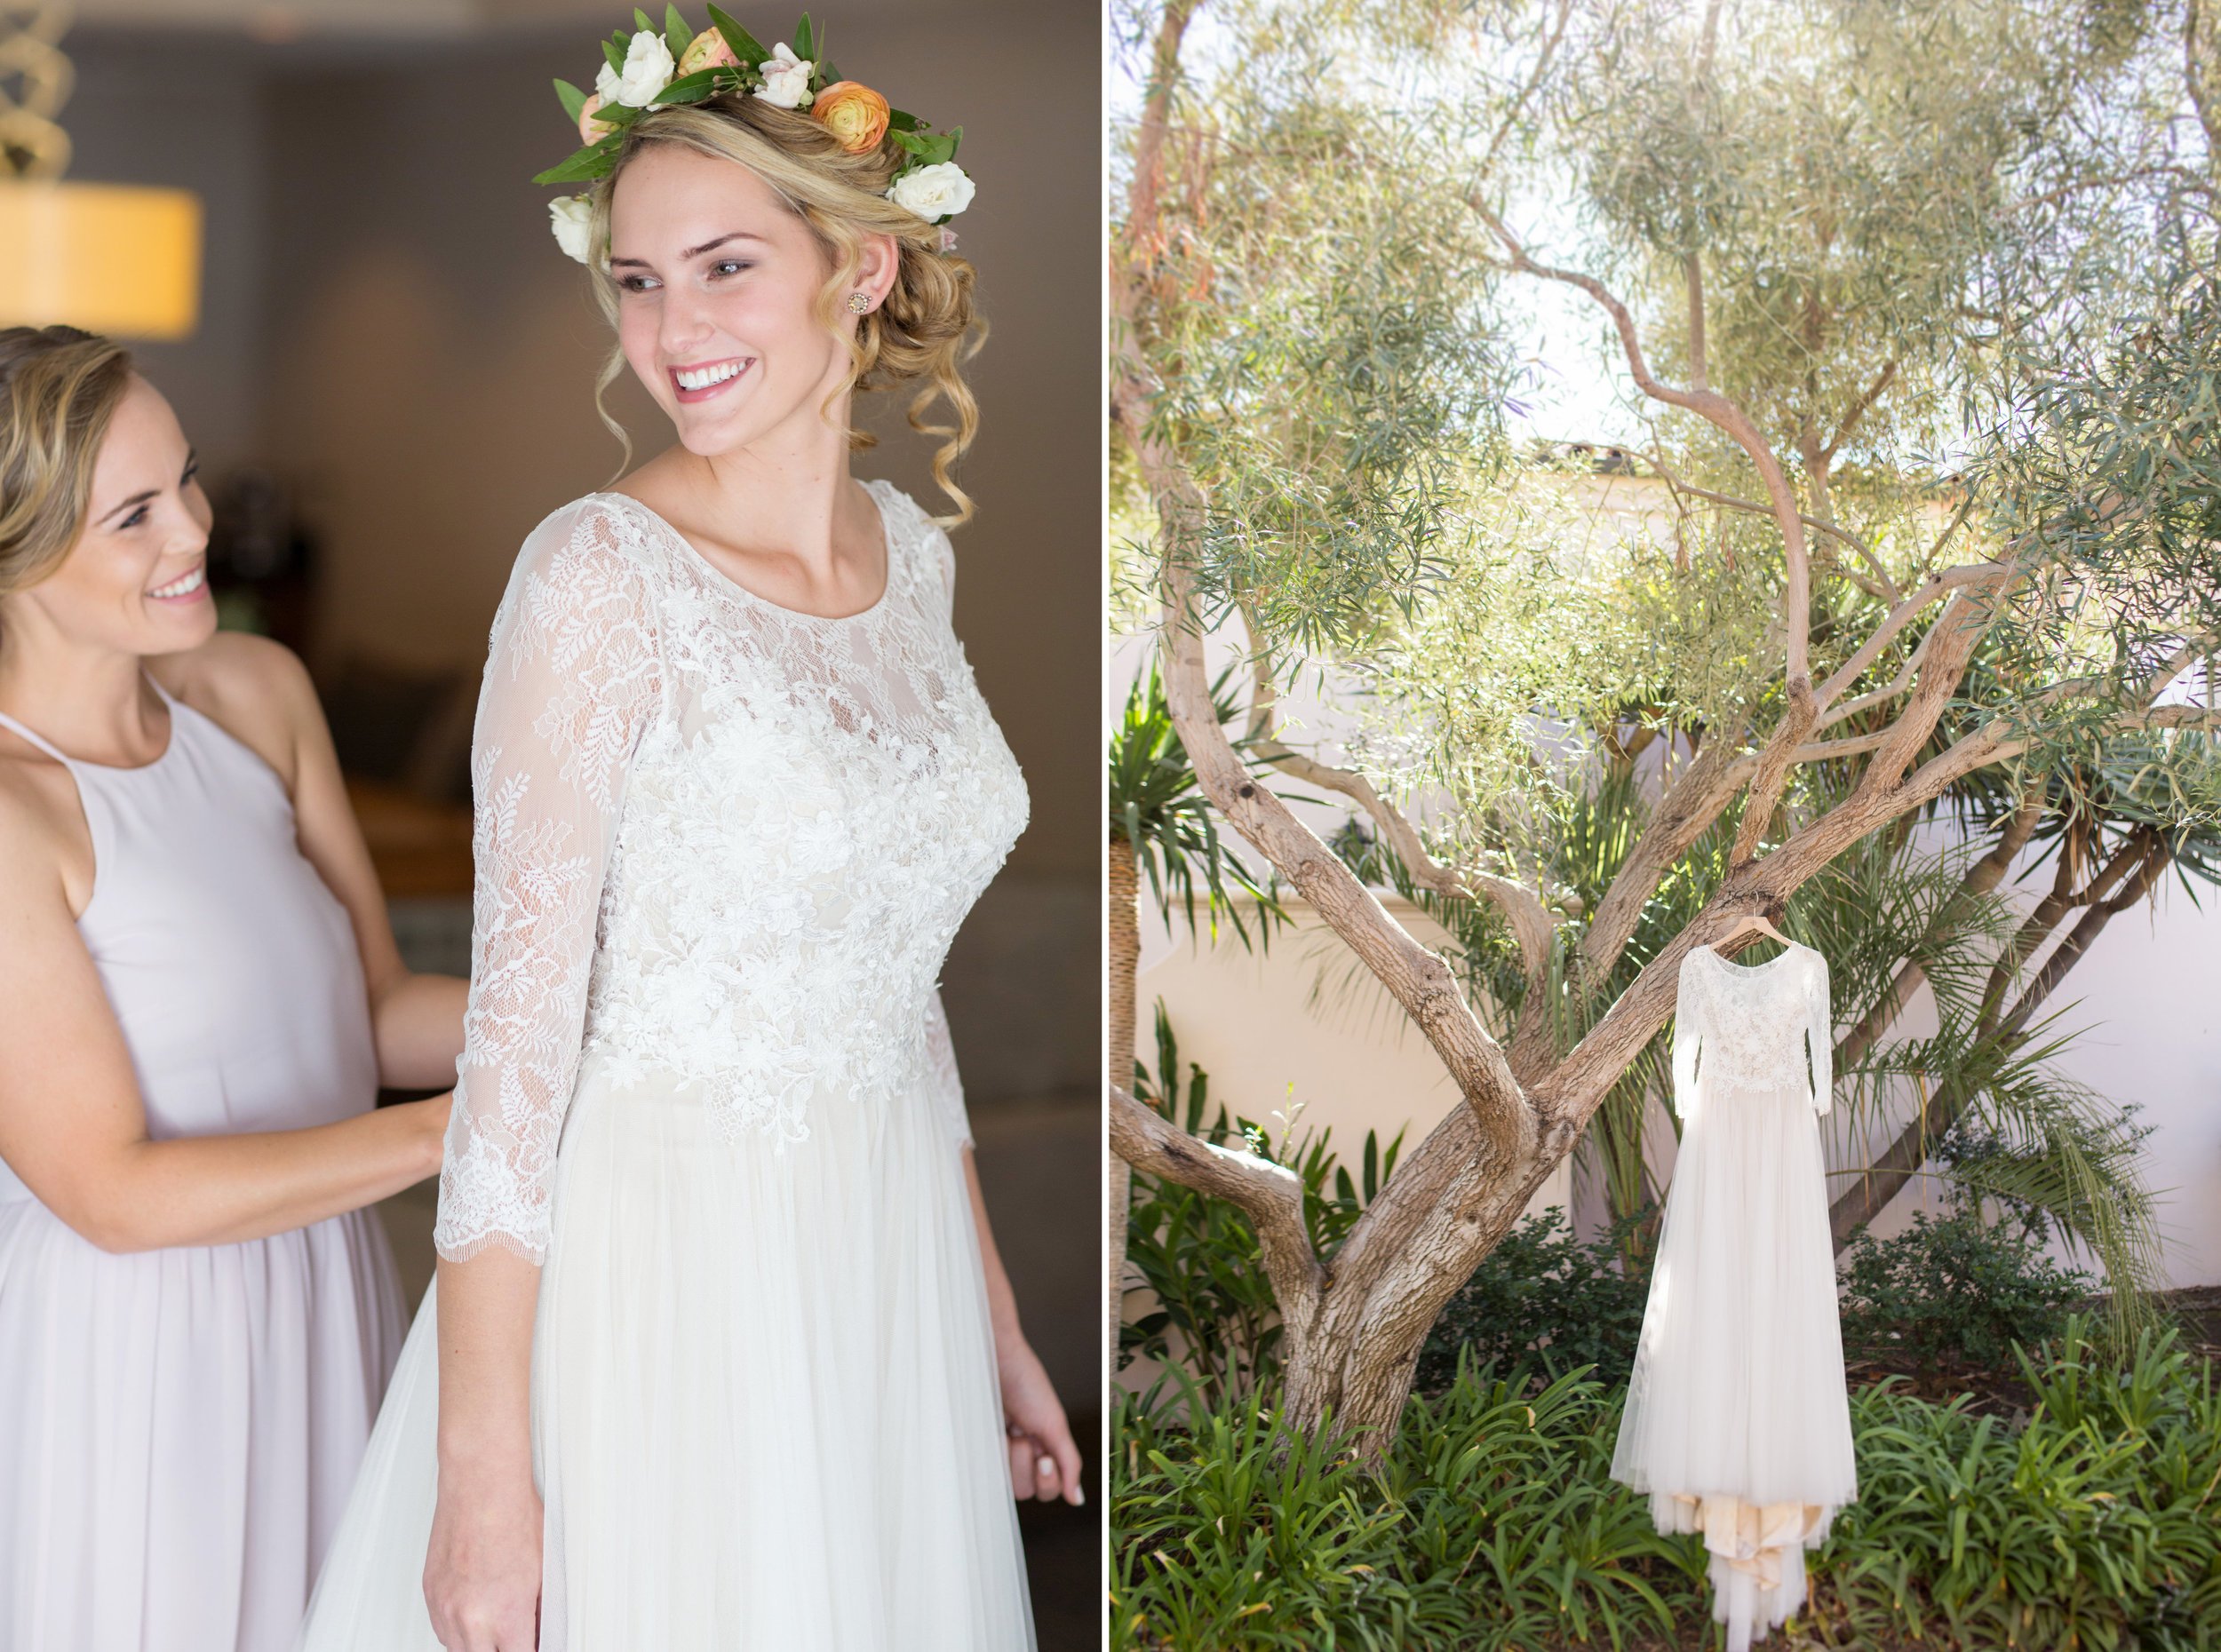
1762,1027
718,840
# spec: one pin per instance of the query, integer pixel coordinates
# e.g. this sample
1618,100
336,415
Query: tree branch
1882,587
1719,411
1693,271
1938,586
1694,802
1272,1195
1981,878
1858,411
1532,925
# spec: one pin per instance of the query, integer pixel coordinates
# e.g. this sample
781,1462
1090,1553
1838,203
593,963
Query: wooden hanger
1750,921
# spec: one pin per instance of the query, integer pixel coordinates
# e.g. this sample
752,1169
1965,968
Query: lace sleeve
1688,1037
948,1087
572,678
1821,1034
945,559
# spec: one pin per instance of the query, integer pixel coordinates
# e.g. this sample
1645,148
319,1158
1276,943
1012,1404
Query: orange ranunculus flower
856,116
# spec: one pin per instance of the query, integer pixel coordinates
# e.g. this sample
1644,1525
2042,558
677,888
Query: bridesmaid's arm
1043,1459
261,694
74,1127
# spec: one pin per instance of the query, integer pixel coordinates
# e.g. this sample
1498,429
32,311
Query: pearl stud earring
858,303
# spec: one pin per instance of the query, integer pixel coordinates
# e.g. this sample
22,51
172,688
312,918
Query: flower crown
650,69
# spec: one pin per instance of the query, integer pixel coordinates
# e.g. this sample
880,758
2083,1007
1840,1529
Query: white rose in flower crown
572,219
940,190
786,77
648,70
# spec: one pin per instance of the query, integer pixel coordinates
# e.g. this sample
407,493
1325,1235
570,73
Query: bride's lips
722,374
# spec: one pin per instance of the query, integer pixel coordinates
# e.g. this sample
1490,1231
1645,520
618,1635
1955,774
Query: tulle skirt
1738,1419
179,1429
764,1401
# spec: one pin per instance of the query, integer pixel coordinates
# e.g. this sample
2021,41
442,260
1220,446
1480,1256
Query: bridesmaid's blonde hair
59,388
924,331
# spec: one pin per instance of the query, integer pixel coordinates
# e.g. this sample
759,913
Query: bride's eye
636,283
730,265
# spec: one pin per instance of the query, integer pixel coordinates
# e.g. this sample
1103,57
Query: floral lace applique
774,823
1762,1027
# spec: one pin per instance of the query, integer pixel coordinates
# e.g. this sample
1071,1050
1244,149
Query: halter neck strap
35,738
59,756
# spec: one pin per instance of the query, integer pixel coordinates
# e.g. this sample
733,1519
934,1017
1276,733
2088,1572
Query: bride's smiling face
718,284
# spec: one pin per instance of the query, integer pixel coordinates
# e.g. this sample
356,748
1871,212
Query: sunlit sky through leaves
1578,386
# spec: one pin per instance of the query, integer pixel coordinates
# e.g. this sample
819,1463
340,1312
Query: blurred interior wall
390,328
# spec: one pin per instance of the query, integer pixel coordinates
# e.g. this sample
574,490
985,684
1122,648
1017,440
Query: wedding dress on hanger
1738,1419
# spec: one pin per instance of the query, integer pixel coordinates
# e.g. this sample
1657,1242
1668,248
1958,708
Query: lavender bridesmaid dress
178,1428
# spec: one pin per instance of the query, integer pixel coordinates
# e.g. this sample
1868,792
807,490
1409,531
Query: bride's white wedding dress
1738,1420
722,847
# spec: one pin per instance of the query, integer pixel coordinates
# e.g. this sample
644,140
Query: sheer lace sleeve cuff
948,1088
1688,1035
573,679
1821,1034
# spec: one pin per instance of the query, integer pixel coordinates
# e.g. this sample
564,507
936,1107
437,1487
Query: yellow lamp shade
108,257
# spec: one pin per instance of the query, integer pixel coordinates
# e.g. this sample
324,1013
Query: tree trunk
1126,958
1364,1390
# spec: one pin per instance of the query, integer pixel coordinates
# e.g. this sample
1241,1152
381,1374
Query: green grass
1494,1523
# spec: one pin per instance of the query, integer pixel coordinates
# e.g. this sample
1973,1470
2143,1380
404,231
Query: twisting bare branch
1937,587
1272,1195
1859,411
1532,925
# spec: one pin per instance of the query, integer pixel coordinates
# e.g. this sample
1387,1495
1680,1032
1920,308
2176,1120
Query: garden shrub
1540,1296
1954,1292
1494,1524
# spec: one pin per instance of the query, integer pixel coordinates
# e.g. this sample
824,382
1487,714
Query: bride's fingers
1068,1466
1021,1465
1044,1475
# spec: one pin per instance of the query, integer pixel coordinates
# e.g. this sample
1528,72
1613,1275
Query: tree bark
1126,958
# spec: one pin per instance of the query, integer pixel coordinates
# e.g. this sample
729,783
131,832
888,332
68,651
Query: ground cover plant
1490,1524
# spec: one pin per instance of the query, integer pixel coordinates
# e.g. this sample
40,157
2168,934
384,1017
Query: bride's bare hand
481,1575
1044,1460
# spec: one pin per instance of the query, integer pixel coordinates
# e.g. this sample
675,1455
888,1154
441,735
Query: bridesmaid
199,997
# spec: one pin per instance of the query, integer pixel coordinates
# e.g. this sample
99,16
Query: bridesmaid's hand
431,1116
481,1575
1044,1461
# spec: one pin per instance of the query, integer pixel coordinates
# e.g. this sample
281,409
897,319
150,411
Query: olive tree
1914,301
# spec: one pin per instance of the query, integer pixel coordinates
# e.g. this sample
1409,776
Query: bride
725,1357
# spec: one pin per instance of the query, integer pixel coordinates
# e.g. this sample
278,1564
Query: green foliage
1157,808
1492,1523
1952,1291
1215,1319
1540,1297
2092,1526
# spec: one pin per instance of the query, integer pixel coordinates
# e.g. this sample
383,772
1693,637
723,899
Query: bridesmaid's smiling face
137,579
719,285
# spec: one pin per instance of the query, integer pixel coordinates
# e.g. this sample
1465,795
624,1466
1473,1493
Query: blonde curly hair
920,335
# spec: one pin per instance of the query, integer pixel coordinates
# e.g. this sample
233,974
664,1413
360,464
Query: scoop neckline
887,557
171,701
1788,948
